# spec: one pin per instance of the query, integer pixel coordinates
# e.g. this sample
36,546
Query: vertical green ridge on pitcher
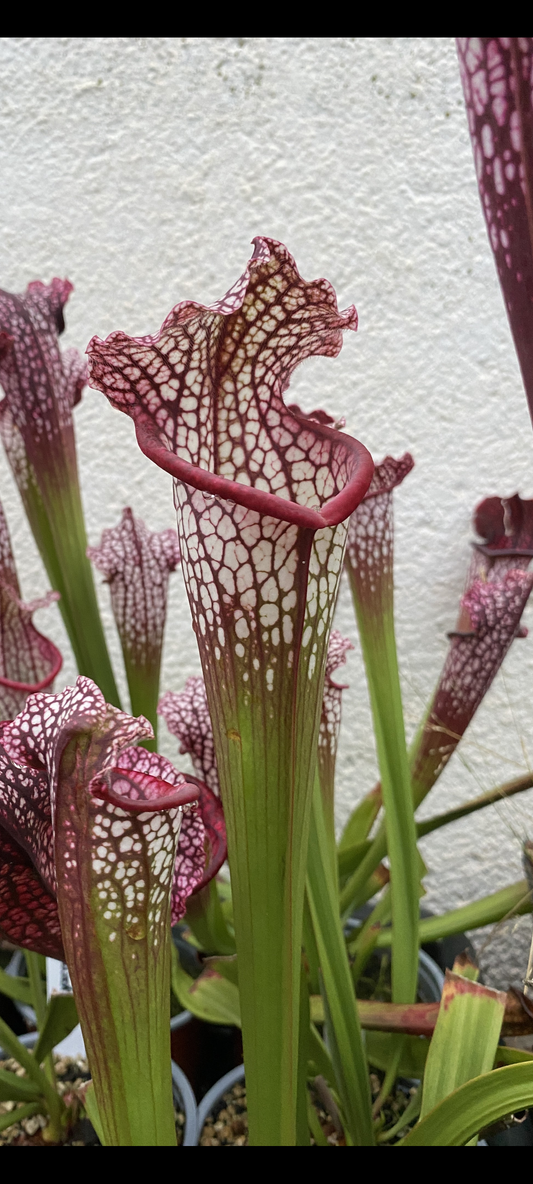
325,945
261,493
337,989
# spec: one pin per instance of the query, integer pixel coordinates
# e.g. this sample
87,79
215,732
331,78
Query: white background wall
141,168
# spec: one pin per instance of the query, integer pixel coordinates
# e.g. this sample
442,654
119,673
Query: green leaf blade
212,997
61,1017
340,1007
16,987
465,1039
17,1115
17,1089
473,1106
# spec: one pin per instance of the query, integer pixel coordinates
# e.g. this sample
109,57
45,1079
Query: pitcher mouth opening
333,511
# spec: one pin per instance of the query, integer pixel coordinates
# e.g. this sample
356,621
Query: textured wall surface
141,169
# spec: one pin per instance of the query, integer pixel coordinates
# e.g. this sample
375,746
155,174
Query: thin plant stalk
33,962
376,627
339,997
61,496
205,917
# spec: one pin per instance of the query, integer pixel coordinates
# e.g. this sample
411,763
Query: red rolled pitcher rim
172,796
34,687
333,512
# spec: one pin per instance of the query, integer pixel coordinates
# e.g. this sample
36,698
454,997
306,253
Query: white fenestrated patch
136,885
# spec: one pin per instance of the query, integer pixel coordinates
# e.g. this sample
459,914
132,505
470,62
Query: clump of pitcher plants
104,845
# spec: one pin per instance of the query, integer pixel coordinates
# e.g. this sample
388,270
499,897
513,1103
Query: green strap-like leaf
375,619
319,1058
349,858
344,1029
7,1120
15,987
380,1047
17,1089
91,1106
60,1019
10,1043
315,1125
205,917
465,1039
508,789
361,820
473,1106
212,997
512,901
411,1112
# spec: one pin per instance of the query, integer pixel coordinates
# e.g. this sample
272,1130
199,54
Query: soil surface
227,1125
72,1073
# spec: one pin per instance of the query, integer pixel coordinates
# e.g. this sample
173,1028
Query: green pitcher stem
143,686
376,627
267,829
115,871
86,633
265,701
357,888
55,513
39,1003
355,891
205,917
53,1102
513,901
340,1004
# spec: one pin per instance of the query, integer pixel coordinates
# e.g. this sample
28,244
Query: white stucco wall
141,168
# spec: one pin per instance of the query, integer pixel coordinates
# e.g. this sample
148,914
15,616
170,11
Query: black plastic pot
430,983
513,1136
206,1052
215,1094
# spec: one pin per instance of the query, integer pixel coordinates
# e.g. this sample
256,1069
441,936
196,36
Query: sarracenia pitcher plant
41,387
262,496
137,563
103,844
99,851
